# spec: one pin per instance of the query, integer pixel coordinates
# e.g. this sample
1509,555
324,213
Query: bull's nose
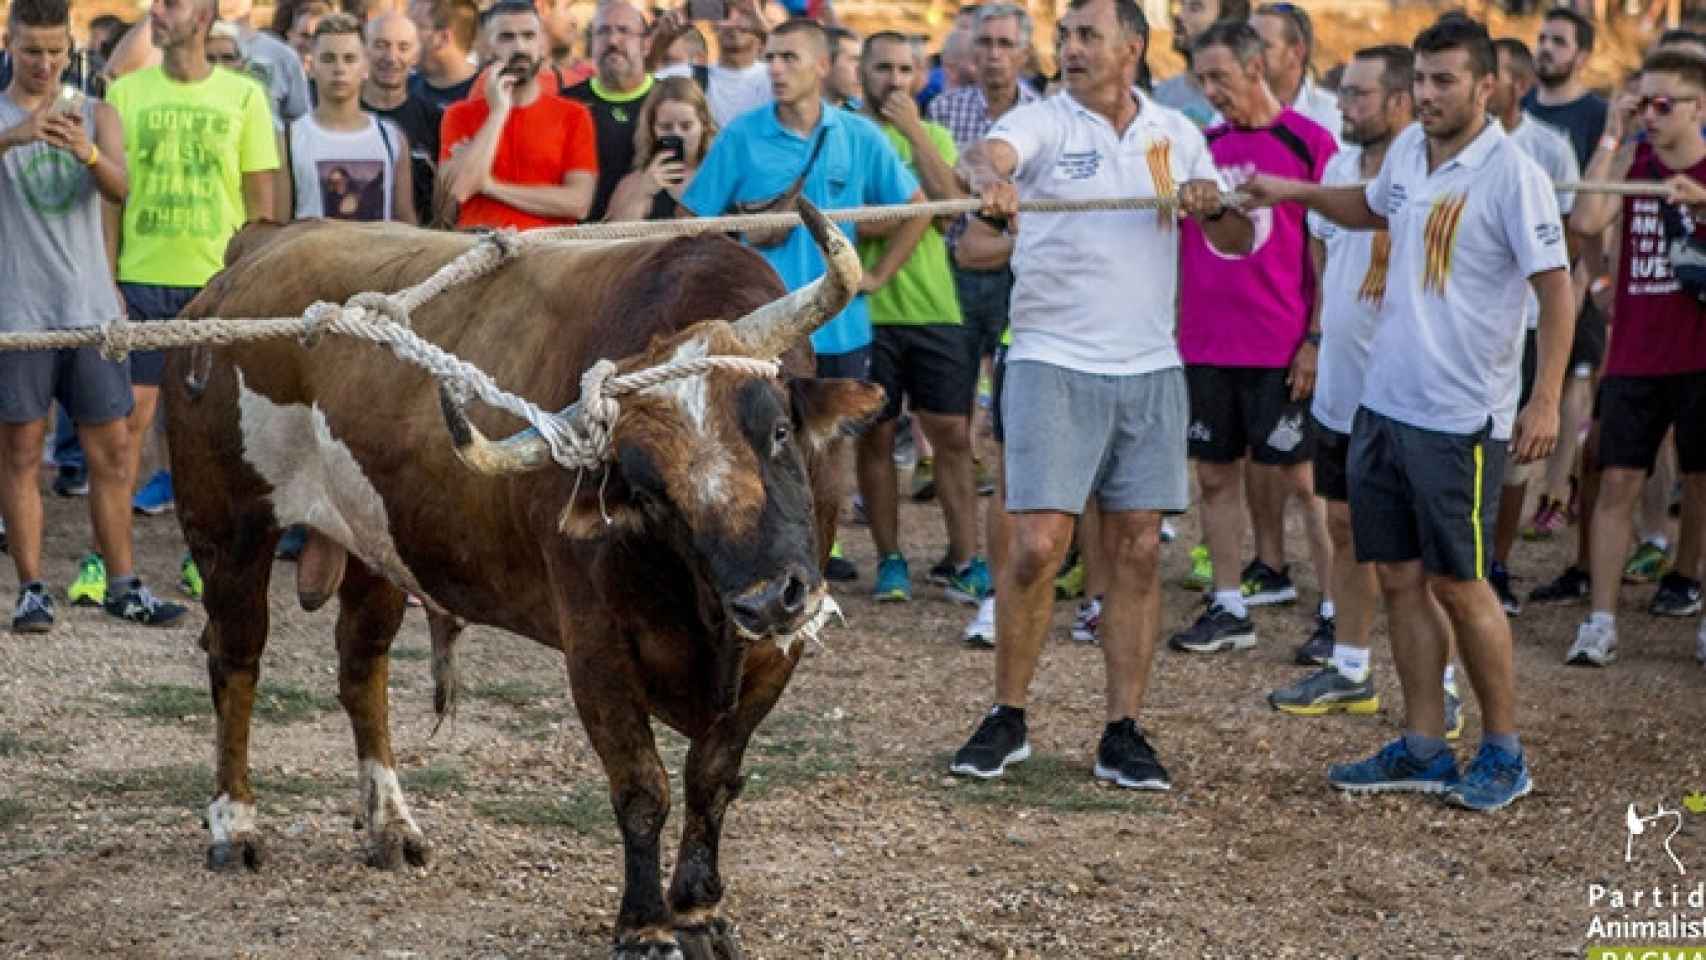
774,604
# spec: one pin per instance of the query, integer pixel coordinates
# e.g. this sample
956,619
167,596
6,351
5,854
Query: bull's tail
446,677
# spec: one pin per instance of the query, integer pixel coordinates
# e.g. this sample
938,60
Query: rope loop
116,340
382,305
316,320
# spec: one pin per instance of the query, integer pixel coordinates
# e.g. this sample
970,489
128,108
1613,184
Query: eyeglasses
1662,105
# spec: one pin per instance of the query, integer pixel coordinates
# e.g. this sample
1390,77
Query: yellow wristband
94,156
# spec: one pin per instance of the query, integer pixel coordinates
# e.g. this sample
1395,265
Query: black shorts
1530,367
144,302
1588,349
984,297
1635,412
91,388
1422,494
1239,410
852,365
934,366
1332,453
998,379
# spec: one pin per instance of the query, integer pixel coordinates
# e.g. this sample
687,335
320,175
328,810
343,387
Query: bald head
393,48
619,45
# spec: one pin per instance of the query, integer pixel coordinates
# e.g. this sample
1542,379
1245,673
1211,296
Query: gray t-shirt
280,70
53,263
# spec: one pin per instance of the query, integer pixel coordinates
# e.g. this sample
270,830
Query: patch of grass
12,811
433,779
288,703
585,810
519,694
793,750
12,745
1042,783
164,702
177,785
410,653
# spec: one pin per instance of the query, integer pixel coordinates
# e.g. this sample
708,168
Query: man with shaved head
392,45
614,94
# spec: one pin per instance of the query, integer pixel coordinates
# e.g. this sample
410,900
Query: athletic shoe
290,545
894,581
90,587
1263,585
1454,720
1069,585
34,612
924,480
1168,533
970,583
1318,649
71,482
998,741
5,545
905,448
1646,564
1677,596
1326,691
189,578
1548,519
138,605
942,571
839,568
1492,780
1570,587
1216,630
983,476
155,497
1396,770
1201,576
1500,578
1595,646
980,632
1087,620
1126,759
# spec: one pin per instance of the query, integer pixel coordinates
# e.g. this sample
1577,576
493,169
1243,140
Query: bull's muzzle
776,606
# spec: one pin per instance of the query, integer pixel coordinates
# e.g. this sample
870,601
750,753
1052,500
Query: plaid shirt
965,112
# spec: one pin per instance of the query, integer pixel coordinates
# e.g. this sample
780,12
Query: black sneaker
998,741
840,570
138,605
1318,649
1677,596
5,546
34,612
1216,630
1572,586
1263,585
1125,758
943,571
1500,578
71,482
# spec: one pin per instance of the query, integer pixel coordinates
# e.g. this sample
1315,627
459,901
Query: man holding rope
1470,216
1094,401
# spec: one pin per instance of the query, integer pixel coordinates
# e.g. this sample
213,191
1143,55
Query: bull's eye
779,437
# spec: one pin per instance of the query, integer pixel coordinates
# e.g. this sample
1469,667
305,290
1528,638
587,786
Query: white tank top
342,175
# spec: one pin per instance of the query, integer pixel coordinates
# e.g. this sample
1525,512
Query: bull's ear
585,516
825,409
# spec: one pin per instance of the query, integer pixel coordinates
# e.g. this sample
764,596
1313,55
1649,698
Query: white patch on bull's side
692,396
316,481
227,818
382,798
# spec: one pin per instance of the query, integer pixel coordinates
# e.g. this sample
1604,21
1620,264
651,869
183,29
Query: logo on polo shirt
1078,165
1440,238
1395,198
1373,289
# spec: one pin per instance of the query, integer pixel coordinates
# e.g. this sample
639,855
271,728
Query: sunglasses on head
1661,105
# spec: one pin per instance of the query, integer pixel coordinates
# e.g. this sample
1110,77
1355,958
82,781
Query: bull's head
715,464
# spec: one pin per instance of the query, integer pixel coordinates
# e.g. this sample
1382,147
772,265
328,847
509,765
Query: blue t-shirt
755,158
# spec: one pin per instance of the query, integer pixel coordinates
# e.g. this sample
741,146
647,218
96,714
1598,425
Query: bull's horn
523,453
771,329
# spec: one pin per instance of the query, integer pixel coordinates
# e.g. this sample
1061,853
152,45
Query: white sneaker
1168,533
981,631
1595,646
1087,620
1700,643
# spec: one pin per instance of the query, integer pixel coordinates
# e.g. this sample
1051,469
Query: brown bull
673,579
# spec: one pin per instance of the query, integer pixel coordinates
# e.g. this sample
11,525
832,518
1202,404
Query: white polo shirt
1352,287
1551,148
1466,238
1095,292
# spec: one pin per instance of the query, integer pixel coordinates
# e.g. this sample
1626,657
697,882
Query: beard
1362,136
521,66
1550,74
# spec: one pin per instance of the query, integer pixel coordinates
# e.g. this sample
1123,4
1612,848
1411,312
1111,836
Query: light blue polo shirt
755,158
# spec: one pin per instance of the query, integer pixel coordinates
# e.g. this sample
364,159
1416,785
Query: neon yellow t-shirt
187,146
922,291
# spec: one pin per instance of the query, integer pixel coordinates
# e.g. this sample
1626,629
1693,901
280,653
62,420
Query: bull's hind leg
371,610
712,780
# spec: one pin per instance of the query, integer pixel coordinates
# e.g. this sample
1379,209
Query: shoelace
30,601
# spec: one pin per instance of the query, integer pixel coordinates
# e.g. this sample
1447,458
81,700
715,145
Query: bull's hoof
397,845
712,940
228,855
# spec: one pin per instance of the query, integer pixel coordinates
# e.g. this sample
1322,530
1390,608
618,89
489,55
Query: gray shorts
93,389
1071,434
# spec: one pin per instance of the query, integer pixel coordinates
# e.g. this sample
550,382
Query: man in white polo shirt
1470,217
1094,400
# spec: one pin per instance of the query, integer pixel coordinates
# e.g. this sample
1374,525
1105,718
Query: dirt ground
851,840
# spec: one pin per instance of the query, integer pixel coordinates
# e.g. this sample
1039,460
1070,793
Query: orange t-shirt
540,143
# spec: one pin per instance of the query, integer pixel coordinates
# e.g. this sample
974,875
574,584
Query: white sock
1600,618
1451,676
1351,662
1233,601
1327,609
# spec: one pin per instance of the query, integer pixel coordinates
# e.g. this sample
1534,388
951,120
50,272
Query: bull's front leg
613,712
712,780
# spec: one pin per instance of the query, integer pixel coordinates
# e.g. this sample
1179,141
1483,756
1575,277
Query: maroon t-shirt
1659,328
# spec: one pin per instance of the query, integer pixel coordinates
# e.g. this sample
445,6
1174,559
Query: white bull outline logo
1637,825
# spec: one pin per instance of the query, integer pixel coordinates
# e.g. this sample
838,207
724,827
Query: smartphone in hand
673,147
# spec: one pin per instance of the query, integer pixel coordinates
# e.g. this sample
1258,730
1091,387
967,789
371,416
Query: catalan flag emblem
1373,289
1160,158
1439,237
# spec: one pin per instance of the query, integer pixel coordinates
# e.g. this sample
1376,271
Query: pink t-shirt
1253,311
1658,328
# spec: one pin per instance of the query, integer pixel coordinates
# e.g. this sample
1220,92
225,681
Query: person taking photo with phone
671,138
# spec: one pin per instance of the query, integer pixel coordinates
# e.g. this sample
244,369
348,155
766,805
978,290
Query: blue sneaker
970,583
1396,769
155,497
1492,780
894,581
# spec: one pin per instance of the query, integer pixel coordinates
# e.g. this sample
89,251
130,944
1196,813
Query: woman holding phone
670,141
